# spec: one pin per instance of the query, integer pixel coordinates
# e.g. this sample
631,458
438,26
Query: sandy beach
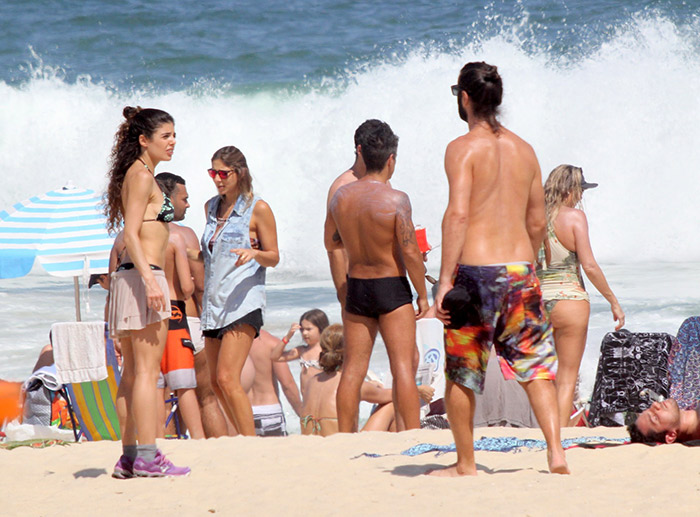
302,475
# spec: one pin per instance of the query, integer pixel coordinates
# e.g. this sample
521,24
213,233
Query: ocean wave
625,111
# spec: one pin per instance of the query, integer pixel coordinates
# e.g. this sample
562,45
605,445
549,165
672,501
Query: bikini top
167,211
305,364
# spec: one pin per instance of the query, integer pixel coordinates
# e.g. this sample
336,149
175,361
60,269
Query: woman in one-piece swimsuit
566,250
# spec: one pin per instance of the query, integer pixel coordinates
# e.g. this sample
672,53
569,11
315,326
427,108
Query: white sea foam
625,113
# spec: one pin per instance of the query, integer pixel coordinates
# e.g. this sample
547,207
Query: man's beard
462,111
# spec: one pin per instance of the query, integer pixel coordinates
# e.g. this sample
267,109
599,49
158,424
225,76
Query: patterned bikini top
306,364
167,211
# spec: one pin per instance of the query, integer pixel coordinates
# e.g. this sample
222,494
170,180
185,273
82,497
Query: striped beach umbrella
64,230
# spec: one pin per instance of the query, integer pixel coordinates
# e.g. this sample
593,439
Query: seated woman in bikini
319,413
311,324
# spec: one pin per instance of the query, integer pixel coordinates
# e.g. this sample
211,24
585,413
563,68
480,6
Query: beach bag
629,362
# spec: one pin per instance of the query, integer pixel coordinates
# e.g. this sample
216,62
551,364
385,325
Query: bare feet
452,471
557,462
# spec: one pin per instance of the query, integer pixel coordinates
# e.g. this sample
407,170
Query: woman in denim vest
239,242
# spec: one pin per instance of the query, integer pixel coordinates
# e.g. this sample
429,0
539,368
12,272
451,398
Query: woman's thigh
147,346
235,346
570,321
212,346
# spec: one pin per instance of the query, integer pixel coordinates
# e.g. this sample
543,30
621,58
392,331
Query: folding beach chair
94,402
630,362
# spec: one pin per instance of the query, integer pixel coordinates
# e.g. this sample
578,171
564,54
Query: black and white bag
629,363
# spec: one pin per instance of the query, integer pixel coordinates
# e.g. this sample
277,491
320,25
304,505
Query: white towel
79,351
47,376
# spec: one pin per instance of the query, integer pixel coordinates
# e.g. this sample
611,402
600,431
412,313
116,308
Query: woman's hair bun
130,112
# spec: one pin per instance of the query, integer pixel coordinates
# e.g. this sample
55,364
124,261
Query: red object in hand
422,238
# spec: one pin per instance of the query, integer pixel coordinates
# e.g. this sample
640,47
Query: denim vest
230,292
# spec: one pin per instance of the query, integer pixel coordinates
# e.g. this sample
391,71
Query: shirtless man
177,364
491,232
373,222
664,422
337,257
261,378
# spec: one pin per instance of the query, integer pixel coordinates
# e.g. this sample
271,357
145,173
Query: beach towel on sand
629,362
504,444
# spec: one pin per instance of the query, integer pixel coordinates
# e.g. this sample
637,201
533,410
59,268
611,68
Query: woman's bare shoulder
261,208
571,216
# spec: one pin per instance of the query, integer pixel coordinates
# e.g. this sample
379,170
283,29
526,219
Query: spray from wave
624,111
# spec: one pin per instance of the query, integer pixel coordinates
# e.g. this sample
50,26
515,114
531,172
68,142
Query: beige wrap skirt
128,305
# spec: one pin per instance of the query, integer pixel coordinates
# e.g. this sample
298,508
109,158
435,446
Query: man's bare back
261,379
349,176
177,270
367,213
503,196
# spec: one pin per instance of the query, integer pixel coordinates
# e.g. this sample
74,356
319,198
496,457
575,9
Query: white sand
308,475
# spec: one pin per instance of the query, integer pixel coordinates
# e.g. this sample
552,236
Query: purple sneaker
159,467
124,469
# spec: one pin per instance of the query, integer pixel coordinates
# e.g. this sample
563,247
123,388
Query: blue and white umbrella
64,230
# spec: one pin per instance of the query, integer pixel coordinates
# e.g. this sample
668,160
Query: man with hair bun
488,293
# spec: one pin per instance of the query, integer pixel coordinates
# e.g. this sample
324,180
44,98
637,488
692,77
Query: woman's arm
263,221
590,266
138,186
370,392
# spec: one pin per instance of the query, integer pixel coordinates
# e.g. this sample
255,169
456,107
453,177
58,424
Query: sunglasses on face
455,89
222,174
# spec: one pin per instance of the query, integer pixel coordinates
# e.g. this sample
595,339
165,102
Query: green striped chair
93,403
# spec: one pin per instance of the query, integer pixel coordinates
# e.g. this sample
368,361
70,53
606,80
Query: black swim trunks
372,297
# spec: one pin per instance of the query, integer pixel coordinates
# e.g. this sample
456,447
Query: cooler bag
629,362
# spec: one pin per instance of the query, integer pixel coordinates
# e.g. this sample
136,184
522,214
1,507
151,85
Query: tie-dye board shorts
506,312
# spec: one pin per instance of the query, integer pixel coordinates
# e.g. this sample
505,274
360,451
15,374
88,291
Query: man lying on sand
664,422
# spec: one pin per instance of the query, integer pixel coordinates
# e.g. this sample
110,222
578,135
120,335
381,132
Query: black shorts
254,319
372,297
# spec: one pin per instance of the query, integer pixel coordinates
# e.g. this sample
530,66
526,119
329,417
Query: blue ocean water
612,86
248,46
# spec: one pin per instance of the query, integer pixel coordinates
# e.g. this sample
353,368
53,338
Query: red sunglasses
222,174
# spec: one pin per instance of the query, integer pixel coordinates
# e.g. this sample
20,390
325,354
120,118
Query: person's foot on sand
557,463
454,470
